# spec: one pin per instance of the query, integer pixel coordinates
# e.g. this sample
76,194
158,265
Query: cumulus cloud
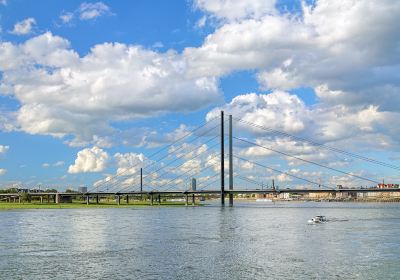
235,10
129,163
2,171
64,94
279,110
89,11
90,160
350,52
282,111
4,149
24,27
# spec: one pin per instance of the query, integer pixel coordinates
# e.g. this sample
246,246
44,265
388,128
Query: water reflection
249,242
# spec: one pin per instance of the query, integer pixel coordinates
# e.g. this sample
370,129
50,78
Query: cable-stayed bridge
213,159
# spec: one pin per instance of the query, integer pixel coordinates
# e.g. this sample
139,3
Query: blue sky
113,79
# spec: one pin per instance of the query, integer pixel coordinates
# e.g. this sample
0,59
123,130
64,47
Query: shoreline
4,206
78,205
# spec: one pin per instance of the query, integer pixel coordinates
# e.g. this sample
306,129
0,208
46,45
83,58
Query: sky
90,89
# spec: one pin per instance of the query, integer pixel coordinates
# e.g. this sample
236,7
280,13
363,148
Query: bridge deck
202,192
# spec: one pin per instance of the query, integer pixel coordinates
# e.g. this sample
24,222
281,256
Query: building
193,184
82,189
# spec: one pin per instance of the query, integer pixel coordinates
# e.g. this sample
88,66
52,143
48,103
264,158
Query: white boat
318,220
263,200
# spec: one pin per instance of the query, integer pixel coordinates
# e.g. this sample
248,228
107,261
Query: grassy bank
11,205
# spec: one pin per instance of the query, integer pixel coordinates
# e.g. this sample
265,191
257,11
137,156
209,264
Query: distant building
388,186
82,189
193,184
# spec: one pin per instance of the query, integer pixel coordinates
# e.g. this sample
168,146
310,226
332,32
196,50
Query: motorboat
318,220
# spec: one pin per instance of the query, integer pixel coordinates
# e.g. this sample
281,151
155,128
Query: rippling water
249,241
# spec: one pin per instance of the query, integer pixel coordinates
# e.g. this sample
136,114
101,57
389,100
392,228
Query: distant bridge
161,176
187,195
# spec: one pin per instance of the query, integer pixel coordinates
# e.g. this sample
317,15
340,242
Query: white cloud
279,110
2,171
24,27
3,2
129,163
201,22
56,164
236,10
88,11
350,52
283,178
59,163
81,96
90,160
351,60
285,112
66,17
4,149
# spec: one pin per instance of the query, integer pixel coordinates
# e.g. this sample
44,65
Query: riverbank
27,205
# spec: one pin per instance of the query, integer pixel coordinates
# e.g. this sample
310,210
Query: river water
249,241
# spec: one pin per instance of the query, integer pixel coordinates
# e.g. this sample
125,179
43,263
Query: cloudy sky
89,89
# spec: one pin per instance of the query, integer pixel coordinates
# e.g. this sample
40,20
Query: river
249,241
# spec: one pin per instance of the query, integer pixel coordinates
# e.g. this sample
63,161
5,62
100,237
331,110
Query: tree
26,197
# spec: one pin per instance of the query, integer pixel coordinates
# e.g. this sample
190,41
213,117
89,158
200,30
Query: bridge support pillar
19,199
97,199
141,183
230,163
118,199
222,161
193,199
87,200
41,199
57,198
48,198
159,198
186,200
127,199
152,199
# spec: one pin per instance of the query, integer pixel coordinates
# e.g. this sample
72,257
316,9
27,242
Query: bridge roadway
203,192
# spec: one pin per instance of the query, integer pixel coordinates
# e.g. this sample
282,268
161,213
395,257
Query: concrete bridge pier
57,198
118,199
152,199
193,199
97,199
87,200
159,199
127,199
41,199
186,200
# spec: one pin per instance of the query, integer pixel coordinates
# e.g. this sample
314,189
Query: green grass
102,204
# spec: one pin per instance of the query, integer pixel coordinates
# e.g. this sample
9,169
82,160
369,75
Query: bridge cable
159,151
308,161
371,160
